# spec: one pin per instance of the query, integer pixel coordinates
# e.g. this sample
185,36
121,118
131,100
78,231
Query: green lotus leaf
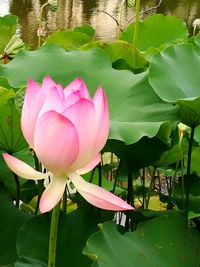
135,110
11,138
174,75
158,242
157,31
195,166
11,220
120,50
194,190
73,231
69,40
8,27
86,29
28,188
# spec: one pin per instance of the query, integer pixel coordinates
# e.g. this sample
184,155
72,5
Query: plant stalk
99,183
136,32
143,187
130,198
150,188
40,24
17,189
64,202
187,177
53,236
120,18
40,182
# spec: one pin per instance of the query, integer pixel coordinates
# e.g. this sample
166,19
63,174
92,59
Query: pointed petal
56,142
52,194
91,165
33,102
22,169
98,196
72,99
47,83
102,118
60,91
77,85
82,115
53,101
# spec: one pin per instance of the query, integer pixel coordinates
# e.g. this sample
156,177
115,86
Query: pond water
72,13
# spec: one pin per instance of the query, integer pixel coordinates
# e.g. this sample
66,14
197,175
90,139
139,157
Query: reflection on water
72,13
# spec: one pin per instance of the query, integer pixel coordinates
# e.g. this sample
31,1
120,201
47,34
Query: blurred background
72,13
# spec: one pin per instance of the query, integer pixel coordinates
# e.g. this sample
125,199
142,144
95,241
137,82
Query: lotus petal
22,169
77,85
33,102
56,142
91,165
101,119
53,193
82,115
53,101
98,196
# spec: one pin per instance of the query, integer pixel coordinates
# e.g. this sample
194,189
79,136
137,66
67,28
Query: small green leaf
8,27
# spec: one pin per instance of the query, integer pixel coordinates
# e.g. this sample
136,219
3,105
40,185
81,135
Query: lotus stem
64,203
116,177
135,37
17,189
40,182
143,188
40,24
150,188
187,177
53,236
120,18
99,183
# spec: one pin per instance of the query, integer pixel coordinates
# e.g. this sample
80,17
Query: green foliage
11,138
11,221
174,76
8,26
136,116
144,111
120,50
158,242
70,40
74,230
157,31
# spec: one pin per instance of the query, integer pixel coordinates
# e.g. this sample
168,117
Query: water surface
72,13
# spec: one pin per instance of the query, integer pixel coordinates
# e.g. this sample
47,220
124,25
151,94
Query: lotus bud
130,3
53,5
14,46
196,24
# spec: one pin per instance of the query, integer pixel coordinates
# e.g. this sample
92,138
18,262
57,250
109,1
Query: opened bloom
67,129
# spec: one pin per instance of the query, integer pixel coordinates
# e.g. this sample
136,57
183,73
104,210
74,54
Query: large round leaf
69,40
135,110
155,31
120,50
11,138
164,241
10,222
174,75
74,229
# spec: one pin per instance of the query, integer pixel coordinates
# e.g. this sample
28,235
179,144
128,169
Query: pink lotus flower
67,129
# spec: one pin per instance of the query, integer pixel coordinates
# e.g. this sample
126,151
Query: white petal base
53,193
